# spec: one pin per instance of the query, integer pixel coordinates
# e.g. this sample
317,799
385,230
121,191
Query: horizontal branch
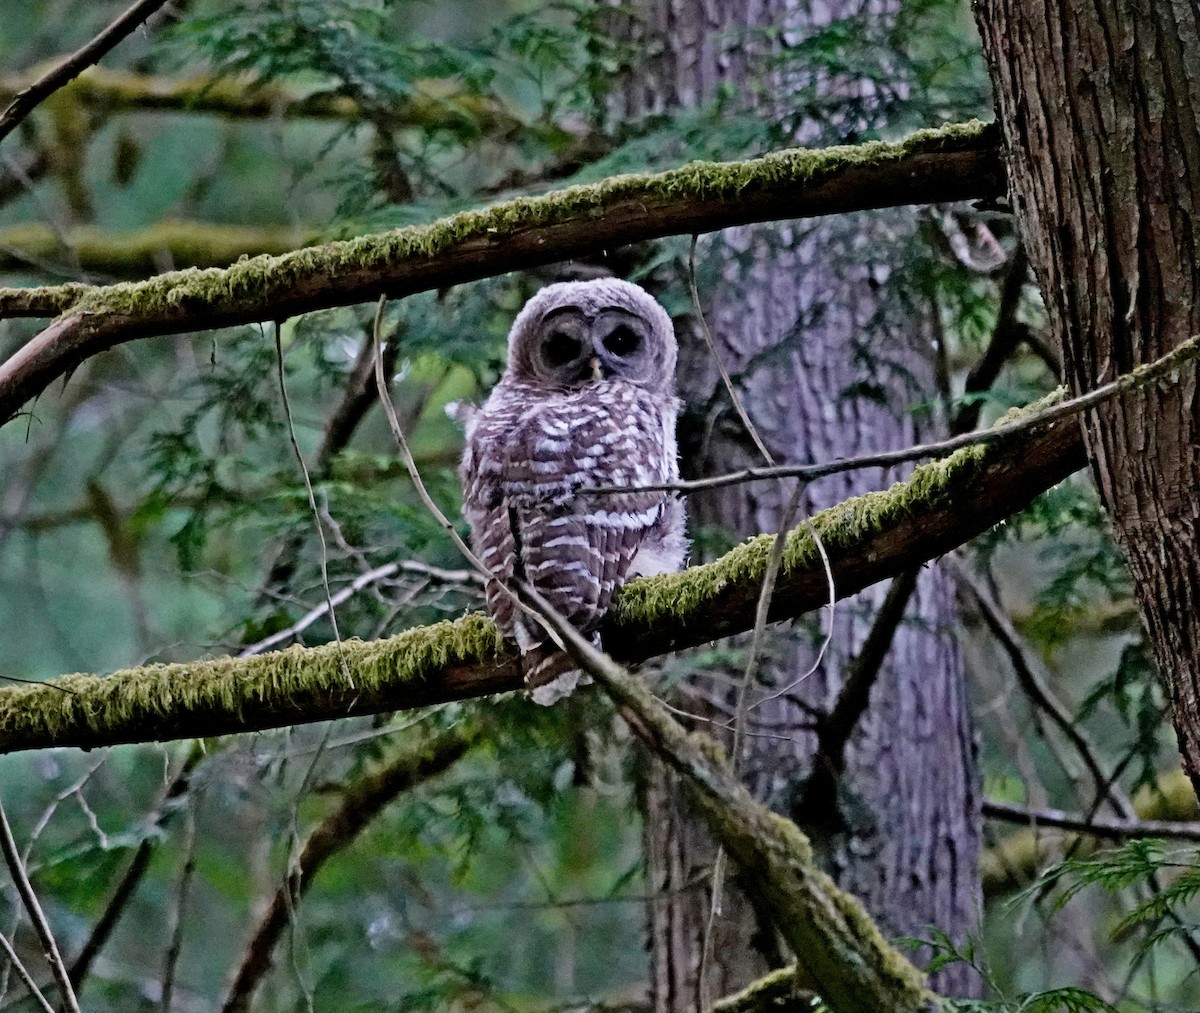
957,162
868,538
143,252
428,107
1101,828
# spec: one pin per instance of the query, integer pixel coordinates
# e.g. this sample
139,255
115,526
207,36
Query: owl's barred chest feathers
588,400
611,433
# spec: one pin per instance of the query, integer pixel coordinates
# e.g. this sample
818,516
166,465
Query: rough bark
797,331
1099,102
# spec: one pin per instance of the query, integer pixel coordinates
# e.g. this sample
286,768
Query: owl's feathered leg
551,674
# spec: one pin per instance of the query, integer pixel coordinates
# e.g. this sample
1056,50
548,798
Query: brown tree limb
360,803
868,538
953,163
71,66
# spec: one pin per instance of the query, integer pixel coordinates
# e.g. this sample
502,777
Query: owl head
578,332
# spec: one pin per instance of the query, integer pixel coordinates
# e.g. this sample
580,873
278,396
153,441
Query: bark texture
1099,103
816,339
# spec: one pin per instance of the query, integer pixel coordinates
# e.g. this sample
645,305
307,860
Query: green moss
766,993
132,702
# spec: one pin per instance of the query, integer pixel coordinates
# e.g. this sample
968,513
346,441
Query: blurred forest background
153,509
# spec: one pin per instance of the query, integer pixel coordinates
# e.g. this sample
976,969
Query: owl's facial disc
572,349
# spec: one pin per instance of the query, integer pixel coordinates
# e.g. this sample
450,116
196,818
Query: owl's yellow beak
594,363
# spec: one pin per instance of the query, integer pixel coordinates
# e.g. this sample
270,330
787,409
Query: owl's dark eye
622,341
560,348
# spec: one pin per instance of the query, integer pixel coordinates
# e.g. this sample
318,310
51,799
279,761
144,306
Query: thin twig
29,899
712,350
410,465
15,961
119,901
179,915
73,65
833,733
1133,380
326,607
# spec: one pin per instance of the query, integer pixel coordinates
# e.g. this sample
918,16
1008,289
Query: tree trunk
828,357
1099,104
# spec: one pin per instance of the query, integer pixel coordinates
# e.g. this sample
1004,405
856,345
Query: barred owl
587,399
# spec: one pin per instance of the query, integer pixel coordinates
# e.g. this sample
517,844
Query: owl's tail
551,674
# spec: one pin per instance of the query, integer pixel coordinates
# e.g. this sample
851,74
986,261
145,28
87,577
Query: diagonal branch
954,163
360,803
74,64
868,538
838,949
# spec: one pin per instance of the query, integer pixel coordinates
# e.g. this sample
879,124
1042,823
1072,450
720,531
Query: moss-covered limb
954,162
360,803
144,252
432,106
1013,862
868,538
778,991
838,948
446,661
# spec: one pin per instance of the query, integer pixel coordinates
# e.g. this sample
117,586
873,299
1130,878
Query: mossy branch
953,163
431,106
143,252
868,538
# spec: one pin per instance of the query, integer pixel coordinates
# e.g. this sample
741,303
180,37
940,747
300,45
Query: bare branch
952,163
71,66
1037,690
1106,829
